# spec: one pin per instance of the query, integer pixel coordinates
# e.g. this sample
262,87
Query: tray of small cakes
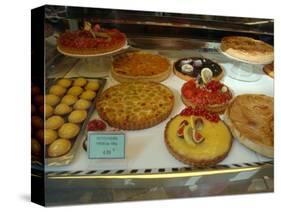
69,102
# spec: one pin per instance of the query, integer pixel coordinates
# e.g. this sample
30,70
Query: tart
247,49
269,69
198,138
142,66
191,67
250,119
135,105
82,42
213,96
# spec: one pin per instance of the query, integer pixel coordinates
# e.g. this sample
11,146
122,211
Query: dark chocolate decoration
197,66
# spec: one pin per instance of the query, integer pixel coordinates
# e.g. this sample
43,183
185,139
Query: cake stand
94,65
244,70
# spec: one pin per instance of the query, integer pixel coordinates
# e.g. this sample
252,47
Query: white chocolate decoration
187,68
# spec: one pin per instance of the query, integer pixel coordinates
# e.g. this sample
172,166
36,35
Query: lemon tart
200,140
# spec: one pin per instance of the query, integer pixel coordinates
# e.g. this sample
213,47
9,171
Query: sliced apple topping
197,137
187,133
198,123
181,128
191,132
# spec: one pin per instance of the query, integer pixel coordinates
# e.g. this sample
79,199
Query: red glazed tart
82,42
213,96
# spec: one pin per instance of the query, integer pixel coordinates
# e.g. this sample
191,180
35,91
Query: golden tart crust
212,150
250,118
135,105
248,49
269,69
142,66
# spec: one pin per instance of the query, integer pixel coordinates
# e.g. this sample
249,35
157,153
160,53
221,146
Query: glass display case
149,167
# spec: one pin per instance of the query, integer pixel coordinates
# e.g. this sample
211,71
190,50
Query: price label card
106,145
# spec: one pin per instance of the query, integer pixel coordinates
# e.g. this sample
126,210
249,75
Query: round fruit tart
198,137
91,40
213,96
250,118
191,67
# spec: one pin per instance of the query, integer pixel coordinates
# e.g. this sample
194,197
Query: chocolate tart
190,68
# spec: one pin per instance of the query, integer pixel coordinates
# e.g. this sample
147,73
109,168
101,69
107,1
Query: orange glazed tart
213,96
92,41
198,137
142,66
135,105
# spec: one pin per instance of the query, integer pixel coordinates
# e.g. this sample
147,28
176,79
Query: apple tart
250,118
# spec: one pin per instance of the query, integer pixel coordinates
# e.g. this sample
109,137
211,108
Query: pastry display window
135,105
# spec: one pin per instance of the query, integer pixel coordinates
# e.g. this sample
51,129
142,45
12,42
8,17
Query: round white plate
237,59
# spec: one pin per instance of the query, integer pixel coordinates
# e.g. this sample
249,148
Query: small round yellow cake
50,136
92,85
69,130
64,83
77,116
69,99
80,82
82,104
52,99
54,122
62,109
214,148
75,91
59,147
48,110
57,90
88,95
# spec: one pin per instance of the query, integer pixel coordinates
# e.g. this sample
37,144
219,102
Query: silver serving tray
77,142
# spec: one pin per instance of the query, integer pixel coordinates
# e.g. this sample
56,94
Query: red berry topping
96,125
207,94
188,111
